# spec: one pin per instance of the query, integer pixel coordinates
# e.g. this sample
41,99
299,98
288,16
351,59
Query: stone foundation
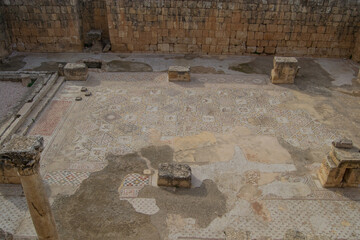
285,70
76,71
179,74
341,168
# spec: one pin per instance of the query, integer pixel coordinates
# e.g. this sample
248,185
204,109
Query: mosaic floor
129,111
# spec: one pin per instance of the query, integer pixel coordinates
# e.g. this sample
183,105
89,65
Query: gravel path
10,94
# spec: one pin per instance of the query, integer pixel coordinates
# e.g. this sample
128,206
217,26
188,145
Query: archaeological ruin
180,119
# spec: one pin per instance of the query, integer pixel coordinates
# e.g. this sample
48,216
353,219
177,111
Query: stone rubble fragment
84,89
174,175
179,74
78,98
88,94
343,143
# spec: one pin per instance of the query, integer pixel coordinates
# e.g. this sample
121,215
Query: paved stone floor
253,147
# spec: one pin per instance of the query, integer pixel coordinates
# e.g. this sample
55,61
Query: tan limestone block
284,71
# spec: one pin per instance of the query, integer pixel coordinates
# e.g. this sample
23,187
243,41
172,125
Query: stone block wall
43,25
4,40
286,27
356,52
324,28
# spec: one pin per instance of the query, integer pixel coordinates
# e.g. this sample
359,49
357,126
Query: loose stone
174,175
179,73
78,98
88,94
84,89
343,143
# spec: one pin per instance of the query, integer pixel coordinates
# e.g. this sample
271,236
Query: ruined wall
356,52
94,16
4,40
286,27
43,25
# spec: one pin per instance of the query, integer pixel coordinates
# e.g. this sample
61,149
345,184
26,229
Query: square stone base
179,74
76,72
284,71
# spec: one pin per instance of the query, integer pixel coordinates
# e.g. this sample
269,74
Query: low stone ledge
284,71
179,74
76,72
174,175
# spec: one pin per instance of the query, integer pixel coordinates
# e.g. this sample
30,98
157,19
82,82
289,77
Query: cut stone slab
340,168
174,175
179,73
285,70
76,71
343,143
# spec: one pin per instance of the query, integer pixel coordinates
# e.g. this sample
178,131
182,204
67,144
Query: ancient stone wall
43,25
286,27
356,52
94,16
4,40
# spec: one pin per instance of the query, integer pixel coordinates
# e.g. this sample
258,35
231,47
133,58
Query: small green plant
31,83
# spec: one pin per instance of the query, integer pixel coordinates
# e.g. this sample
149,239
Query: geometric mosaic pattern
334,220
132,185
12,211
136,180
50,118
66,178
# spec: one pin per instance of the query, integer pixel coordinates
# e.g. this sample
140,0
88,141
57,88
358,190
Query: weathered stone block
341,168
76,71
179,73
285,70
174,175
343,143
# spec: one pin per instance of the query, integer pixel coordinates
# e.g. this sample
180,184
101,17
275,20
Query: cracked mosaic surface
127,110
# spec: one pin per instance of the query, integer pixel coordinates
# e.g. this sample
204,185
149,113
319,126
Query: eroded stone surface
343,143
284,71
179,73
340,168
22,152
174,175
76,71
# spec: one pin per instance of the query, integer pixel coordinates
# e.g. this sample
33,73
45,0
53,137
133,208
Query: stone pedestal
76,72
179,74
284,71
174,175
340,168
23,154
